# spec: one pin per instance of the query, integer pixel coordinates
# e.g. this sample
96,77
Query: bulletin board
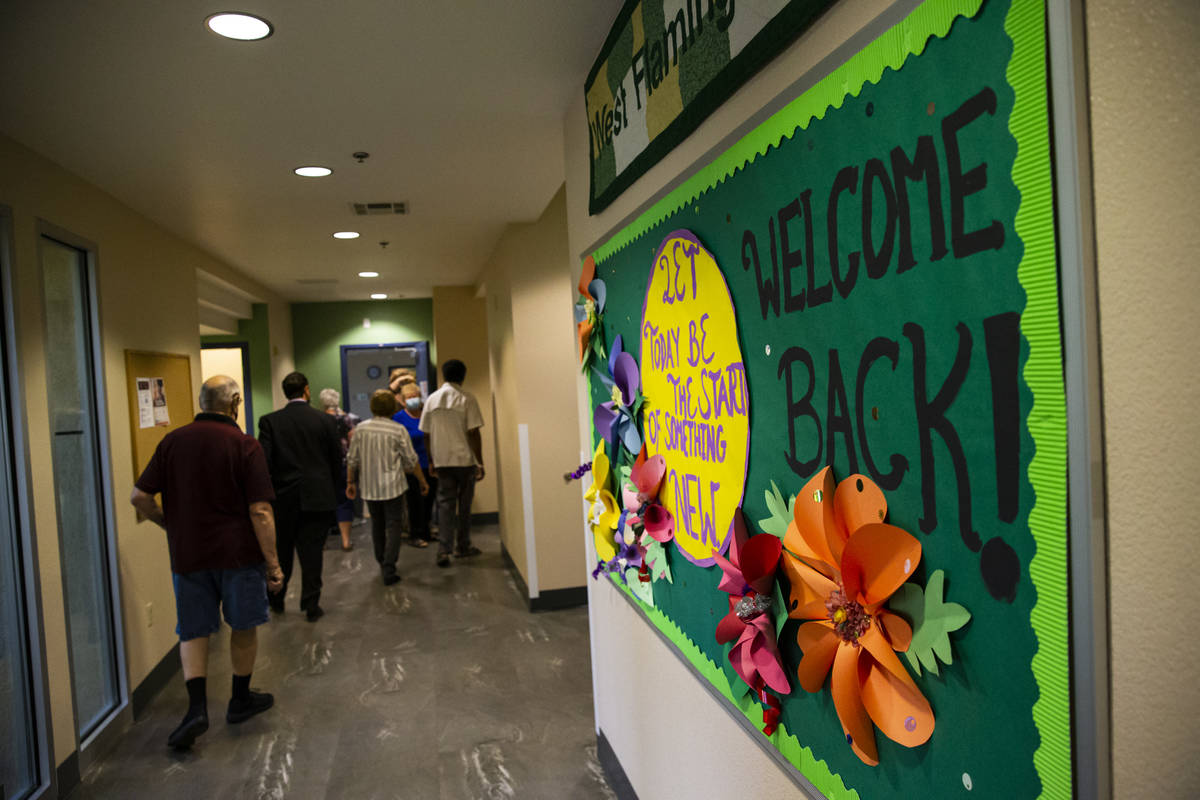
175,370
829,418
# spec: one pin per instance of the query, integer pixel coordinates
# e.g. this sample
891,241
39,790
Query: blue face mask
413,403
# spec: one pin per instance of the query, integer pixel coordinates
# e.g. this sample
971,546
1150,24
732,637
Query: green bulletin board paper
981,320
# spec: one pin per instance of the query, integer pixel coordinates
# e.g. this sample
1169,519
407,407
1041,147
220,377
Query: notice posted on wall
158,399
145,404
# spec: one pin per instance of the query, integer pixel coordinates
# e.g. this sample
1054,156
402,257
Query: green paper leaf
781,512
642,591
779,607
656,557
932,620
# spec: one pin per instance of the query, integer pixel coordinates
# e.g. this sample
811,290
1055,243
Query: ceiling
460,105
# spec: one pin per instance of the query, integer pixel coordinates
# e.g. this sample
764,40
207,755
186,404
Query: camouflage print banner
666,65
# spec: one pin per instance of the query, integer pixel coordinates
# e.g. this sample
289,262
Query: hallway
443,686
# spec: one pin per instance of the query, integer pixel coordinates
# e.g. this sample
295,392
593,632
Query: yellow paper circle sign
697,407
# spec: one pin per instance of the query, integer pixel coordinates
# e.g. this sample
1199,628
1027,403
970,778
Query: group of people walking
239,512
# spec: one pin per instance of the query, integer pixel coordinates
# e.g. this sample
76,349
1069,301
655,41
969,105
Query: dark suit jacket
304,456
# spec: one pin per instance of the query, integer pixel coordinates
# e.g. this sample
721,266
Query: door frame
104,731
247,401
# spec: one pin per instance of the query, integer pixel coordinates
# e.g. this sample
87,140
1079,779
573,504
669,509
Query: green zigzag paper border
1038,274
1025,25
815,770
890,50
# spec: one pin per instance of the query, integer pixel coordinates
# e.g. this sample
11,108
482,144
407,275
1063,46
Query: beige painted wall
1144,73
460,330
147,300
533,356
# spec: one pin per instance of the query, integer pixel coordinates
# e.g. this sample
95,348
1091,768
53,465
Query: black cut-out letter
1003,336
931,416
877,348
877,260
846,181
964,184
799,408
837,417
924,164
768,290
789,258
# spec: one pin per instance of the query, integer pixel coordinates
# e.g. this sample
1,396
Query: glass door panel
70,382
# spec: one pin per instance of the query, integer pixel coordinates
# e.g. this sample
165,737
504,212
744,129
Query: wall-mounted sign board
665,66
159,386
848,324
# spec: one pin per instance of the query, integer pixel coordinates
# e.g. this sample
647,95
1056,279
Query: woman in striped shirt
380,455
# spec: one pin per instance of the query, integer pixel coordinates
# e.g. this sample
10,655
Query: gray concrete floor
443,686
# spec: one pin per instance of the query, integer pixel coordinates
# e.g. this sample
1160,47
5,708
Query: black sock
197,696
241,688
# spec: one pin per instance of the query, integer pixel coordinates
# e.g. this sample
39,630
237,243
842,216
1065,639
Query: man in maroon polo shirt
216,510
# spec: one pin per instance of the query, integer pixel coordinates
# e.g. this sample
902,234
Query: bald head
220,394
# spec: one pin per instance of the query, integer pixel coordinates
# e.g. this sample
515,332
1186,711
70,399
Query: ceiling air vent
372,209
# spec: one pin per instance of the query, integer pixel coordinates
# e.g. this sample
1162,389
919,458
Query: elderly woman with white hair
331,401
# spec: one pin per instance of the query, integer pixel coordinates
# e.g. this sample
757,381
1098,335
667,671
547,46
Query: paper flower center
616,396
590,305
849,619
751,606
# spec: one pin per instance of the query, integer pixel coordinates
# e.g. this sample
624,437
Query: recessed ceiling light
378,296
368,274
313,172
346,235
243,27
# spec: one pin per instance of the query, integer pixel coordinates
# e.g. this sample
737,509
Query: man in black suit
305,459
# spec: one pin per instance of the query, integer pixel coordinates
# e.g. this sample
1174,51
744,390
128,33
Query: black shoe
185,735
314,614
470,551
443,559
240,712
391,580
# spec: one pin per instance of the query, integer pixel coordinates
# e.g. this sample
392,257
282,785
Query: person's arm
476,442
148,507
267,440
352,459
263,519
412,464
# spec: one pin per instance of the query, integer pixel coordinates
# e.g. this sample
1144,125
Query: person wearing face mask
420,507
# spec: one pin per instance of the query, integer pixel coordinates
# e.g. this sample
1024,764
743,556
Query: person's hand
274,578
424,486
432,471
351,491
479,472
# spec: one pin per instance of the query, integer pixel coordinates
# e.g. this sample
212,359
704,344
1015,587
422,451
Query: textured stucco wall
1144,74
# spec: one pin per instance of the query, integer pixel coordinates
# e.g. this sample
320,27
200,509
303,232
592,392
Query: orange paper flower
844,563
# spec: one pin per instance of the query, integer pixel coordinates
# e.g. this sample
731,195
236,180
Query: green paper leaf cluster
932,620
781,512
642,591
656,558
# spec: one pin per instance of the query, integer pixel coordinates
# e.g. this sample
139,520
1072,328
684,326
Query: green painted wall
256,332
320,329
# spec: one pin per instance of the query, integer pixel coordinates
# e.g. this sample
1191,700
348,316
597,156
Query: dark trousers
301,533
456,490
388,518
420,508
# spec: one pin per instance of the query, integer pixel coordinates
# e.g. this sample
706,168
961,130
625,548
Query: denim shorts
200,596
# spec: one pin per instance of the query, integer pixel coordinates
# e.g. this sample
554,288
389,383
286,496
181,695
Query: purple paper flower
615,419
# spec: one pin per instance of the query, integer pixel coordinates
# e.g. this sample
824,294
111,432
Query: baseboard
550,600
155,682
618,781
67,775
556,599
486,518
